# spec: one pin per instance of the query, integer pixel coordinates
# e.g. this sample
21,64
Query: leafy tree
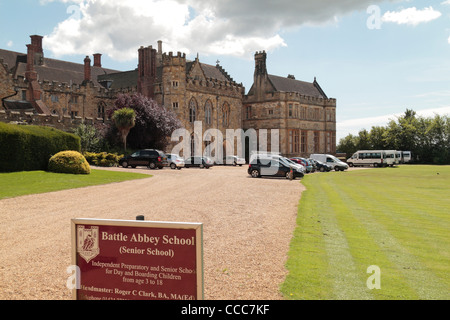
427,138
154,124
348,145
89,138
124,119
377,138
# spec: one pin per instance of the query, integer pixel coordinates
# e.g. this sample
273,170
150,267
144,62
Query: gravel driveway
248,224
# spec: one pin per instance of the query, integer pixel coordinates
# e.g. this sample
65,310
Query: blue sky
377,58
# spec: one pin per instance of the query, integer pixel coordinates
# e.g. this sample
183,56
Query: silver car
174,161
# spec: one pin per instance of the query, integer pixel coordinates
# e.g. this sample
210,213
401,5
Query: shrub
103,159
29,148
71,162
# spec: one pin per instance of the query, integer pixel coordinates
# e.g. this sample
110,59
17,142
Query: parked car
304,162
322,167
151,158
273,167
267,156
233,160
174,161
330,160
198,162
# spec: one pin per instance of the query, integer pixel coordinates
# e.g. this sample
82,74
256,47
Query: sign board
137,260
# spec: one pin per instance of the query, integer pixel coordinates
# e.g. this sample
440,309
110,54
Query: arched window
226,114
208,112
101,110
192,110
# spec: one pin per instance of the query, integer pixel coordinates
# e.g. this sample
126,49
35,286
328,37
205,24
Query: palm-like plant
125,120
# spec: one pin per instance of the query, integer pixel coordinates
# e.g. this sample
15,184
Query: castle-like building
63,94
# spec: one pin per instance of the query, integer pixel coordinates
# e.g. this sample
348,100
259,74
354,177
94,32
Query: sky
377,58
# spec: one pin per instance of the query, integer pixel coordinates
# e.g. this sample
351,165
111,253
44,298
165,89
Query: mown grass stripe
348,282
405,243
307,263
378,217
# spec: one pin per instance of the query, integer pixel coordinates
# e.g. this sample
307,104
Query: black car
322,167
198,162
151,158
263,167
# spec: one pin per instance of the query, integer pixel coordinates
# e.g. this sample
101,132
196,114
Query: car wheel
322,169
288,176
152,165
125,164
336,169
173,166
255,174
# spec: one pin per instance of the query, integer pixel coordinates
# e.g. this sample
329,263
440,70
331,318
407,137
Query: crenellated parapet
65,123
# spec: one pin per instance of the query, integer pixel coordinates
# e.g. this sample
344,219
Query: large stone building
46,91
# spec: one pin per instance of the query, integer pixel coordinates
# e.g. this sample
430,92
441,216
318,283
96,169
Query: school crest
88,242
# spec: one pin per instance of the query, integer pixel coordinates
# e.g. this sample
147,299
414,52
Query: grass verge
32,182
394,218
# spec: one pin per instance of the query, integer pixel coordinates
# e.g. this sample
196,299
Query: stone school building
44,91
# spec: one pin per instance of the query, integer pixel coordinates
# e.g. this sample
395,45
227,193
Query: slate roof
291,85
53,69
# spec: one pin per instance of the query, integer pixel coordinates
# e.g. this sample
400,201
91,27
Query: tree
154,124
89,138
125,120
347,145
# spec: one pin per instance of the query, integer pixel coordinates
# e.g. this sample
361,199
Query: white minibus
376,158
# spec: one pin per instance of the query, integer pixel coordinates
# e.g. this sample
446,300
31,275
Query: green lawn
397,219
24,183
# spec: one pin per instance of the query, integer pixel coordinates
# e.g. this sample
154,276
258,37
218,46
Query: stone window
248,112
294,141
208,112
304,142
226,114
316,141
192,110
175,105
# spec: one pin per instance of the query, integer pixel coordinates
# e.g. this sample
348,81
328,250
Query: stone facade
45,91
303,114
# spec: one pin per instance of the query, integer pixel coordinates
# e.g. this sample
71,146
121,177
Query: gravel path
248,224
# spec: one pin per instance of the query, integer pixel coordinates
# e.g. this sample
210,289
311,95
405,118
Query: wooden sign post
137,260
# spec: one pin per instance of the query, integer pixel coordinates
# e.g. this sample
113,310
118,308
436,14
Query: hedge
29,148
103,159
70,162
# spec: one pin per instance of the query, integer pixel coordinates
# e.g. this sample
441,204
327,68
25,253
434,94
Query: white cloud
411,16
10,44
233,27
446,2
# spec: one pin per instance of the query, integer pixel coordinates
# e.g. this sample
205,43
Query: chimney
36,43
87,69
147,71
97,60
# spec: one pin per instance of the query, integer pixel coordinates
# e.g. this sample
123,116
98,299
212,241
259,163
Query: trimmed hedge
29,148
103,159
71,162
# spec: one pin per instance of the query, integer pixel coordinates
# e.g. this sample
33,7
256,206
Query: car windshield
287,162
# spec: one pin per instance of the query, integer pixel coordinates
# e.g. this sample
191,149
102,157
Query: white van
376,158
392,158
405,157
330,160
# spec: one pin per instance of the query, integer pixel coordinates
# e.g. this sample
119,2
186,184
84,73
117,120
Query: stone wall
64,123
